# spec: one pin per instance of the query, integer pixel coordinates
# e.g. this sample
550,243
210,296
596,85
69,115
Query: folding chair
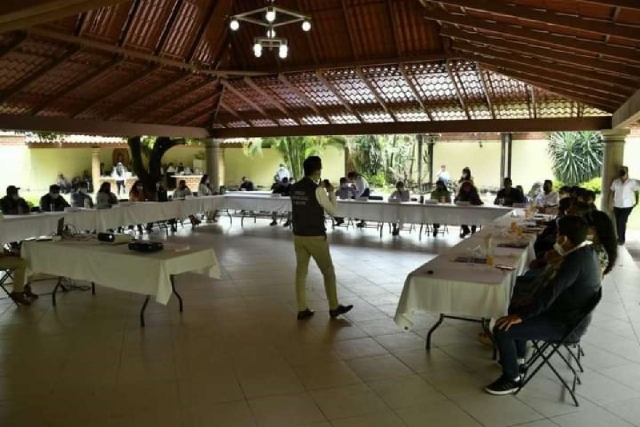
6,275
544,350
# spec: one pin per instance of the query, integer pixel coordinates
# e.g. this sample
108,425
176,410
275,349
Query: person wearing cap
12,203
53,201
80,198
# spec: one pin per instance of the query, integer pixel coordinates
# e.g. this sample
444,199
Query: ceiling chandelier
270,17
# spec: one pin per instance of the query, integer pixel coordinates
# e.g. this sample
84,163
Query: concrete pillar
95,168
214,157
614,140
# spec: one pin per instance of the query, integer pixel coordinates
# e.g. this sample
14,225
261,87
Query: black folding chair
545,350
6,275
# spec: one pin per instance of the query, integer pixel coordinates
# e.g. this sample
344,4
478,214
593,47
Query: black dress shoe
305,314
342,309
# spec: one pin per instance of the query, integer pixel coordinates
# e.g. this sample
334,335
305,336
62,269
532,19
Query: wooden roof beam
605,84
347,24
628,114
218,10
271,99
14,45
240,95
548,84
176,100
166,30
335,93
201,111
120,89
438,126
533,102
373,90
546,53
565,42
20,14
124,33
457,89
487,97
592,26
304,98
234,113
394,31
46,68
628,4
414,90
82,41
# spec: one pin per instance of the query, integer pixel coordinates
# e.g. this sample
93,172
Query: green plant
594,185
376,181
575,156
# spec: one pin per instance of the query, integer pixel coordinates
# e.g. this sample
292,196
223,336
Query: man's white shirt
282,173
551,199
624,196
361,185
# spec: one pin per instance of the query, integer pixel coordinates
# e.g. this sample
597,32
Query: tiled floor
238,357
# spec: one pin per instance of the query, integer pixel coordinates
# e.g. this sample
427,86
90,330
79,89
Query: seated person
20,293
180,168
182,192
468,193
105,198
547,198
283,188
400,195
547,237
604,241
564,192
246,185
204,188
509,195
53,201
80,198
138,193
13,204
556,309
63,183
344,192
587,196
442,195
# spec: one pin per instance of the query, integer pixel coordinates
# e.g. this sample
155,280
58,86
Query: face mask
559,249
590,237
15,197
54,196
82,190
622,173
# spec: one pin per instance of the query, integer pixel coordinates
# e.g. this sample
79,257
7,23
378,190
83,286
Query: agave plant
576,156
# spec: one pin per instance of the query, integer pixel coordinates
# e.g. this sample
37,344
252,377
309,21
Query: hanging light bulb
234,25
257,50
283,51
270,16
306,26
271,33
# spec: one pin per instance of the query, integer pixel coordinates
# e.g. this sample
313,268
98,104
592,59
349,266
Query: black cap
12,189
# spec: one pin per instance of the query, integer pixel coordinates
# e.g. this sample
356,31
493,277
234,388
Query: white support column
214,157
613,158
95,168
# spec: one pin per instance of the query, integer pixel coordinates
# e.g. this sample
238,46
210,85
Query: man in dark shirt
509,195
246,185
12,203
53,201
556,309
309,202
283,188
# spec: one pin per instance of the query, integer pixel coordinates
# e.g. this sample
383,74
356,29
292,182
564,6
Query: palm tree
576,157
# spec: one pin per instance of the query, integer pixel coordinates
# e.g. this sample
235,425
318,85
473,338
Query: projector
145,246
114,239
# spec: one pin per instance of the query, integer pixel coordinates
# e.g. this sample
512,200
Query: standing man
120,175
309,202
623,197
443,175
282,173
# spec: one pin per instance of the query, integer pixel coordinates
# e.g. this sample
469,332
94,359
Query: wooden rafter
547,17
375,93
46,68
16,43
457,89
304,98
81,23
350,33
95,75
175,100
532,94
414,90
158,103
394,31
216,13
438,126
21,14
271,99
564,42
335,93
201,111
628,4
120,89
549,85
527,48
234,113
487,96
166,30
607,84
82,41
628,113
217,109
240,95
124,33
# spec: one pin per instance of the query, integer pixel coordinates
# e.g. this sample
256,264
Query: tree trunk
149,177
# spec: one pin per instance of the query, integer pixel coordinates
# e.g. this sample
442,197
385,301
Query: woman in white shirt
182,192
204,189
400,195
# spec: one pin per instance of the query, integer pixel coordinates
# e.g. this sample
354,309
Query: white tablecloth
461,289
115,266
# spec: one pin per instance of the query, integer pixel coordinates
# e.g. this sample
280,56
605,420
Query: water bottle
421,198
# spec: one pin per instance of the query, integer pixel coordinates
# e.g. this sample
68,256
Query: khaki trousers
18,265
316,247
